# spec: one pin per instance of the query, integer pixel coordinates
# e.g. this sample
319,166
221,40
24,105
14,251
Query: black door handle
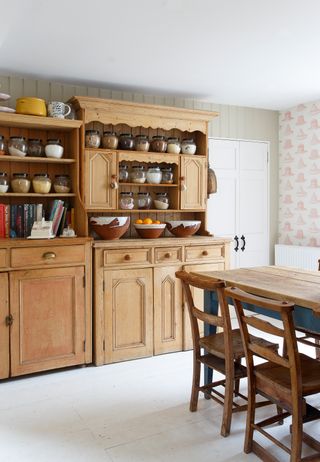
243,242
237,242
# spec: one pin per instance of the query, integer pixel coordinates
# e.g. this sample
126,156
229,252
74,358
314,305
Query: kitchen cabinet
100,170
240,209
4,326
194,176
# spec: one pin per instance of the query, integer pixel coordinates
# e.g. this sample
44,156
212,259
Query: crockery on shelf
126,200
158,143
142,143
4,97
62,184
110,227
126,141
92,139
54,148
20,183
173,146
6,109
138,174
35,147
17,146
31,106
58,109
110,140
162,201
2,146
188,146
183,228
154,175
4,182
41,183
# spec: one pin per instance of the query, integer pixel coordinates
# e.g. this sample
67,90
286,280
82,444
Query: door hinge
84,281
84,345
9,320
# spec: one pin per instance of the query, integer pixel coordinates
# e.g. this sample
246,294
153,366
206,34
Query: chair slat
265,326
268,354
211,319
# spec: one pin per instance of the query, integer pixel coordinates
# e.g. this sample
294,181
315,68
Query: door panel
99,168
193,170
4,328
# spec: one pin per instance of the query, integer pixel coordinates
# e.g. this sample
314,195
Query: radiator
297,256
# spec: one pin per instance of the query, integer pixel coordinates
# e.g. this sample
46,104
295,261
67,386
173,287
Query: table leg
210,306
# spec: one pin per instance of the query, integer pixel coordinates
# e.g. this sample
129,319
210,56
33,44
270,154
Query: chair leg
227,407
280,411
237,381
250,419
317,349
195,386
296,436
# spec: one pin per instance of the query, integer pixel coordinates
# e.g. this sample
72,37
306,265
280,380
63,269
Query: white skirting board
297,256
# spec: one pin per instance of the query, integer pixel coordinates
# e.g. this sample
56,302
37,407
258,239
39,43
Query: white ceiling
258,53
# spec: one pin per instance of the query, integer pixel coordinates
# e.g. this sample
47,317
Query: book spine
54,207
57,217
7,220
39,213
19,221
13,215
2,221
25,219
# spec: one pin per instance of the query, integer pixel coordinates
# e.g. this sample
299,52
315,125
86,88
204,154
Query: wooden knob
205,253
127,257
49,255
167,255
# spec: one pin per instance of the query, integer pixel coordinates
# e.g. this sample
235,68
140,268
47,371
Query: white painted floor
135,411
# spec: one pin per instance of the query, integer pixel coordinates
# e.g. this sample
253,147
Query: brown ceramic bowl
183,228
150,231
110,228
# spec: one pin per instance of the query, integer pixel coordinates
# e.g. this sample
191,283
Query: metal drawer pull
9,320
205,253
127,257
167,255
49,255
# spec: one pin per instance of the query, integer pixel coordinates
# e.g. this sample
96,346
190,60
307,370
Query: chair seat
214,344
219,365
272,374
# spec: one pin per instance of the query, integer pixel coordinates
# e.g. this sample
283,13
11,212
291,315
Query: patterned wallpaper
299,180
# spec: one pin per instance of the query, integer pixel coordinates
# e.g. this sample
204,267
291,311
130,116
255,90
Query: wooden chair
223,351
284,380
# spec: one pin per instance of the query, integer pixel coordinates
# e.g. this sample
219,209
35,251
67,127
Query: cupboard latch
104,345
84,345
9,320
103,286
84,281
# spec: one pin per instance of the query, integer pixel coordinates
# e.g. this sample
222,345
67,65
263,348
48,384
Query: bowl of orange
149,229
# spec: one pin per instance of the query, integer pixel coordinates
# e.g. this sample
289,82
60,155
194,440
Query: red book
2,221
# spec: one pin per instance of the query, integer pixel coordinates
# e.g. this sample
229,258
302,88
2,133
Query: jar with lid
167,175
142,143
35,148
162,201
17,146
4,182
54,148
188,146
158,144
144,200
41,183
20,183
126,200
154,175
123,173
173,146
110,140
92,139
62,184
2,146
138,174
126,141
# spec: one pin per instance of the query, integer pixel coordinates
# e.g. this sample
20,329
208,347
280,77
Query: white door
239,209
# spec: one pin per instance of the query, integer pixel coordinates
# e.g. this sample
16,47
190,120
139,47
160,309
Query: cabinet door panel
100,167
167,310
128,305
48,319
193,170
4,329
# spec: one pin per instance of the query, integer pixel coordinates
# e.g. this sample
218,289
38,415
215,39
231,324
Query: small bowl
110,228
150,231
183,228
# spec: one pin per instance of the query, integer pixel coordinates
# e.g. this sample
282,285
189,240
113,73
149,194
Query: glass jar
126,201
144,200
142,143
17,146
188,146
35,148
154,175
20,183
110,140
92,139
54,148
2,146
41,183
162,201
138,174
167,175
4,182
123,174
173,146
126,141
62,184
158,144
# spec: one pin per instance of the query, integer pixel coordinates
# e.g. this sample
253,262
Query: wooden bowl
110,228
183,228
150,231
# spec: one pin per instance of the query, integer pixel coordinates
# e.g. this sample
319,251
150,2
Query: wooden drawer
203,252
127,256
168,254
3,258
51,255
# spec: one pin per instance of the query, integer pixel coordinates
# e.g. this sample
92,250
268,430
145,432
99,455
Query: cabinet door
48,329
167,310
4,328
194,172
128,305
198,297
99,169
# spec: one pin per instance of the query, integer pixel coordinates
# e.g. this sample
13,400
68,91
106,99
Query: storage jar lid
43,175
23,175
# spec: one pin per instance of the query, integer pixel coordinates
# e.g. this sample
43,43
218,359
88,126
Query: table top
281,283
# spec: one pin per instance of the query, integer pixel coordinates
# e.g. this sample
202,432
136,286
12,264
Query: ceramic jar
142,143
138,174
188,146
126,200
54,148
35,148
154,175
173,146
92,139
158,144
4,182
126,141
20,183
17,146
110,140
41,183
144,200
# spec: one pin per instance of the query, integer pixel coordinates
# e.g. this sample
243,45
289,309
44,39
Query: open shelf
36,160
11,194
124,211
38,122
150,185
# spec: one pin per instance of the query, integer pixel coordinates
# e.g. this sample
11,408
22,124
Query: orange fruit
147,221
157,222
139,222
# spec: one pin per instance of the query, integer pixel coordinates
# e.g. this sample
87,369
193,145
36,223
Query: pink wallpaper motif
299,181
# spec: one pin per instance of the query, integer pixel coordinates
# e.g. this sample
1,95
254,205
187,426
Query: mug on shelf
58,109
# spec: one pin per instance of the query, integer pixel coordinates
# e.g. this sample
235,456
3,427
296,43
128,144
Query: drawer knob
127,257
205,253
49,255
167,255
